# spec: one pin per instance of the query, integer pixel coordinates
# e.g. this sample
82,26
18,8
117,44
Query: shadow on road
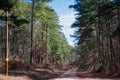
35,74
44,74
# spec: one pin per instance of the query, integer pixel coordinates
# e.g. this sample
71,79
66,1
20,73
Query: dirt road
69,75
72,75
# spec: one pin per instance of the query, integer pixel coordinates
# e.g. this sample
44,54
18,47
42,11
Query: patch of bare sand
37,74
2,77
95,79
74,74
86,75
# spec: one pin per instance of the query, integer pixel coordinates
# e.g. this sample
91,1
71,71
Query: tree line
35,35
98,35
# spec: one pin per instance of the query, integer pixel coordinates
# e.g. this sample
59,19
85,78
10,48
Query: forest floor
46,74
75,74
36,74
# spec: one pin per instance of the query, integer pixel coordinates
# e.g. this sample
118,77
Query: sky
66,17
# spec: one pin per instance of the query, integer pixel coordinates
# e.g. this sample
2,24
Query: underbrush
16,63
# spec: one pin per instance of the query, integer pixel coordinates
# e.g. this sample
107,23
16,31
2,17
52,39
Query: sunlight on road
65,79
83,79
69,75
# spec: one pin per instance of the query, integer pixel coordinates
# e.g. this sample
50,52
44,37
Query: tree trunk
6,55
32,22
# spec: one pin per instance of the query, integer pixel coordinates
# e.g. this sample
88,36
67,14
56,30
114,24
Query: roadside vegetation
38,49
98,36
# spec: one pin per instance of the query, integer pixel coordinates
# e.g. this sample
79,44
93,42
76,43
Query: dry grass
23,77
37,74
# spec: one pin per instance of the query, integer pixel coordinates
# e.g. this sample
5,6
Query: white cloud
66,21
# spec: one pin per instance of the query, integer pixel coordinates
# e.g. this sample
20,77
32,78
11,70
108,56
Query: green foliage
7,4
48,40
98,36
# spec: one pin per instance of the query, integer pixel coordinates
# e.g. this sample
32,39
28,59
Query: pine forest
33,45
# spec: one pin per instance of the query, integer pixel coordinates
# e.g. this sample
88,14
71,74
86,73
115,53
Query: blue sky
66,17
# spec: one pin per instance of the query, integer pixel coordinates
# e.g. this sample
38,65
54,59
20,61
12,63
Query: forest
34,33
98,35
31,37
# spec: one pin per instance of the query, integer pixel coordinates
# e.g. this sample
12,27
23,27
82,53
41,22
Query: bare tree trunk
32,22
97,36
3,44
118,13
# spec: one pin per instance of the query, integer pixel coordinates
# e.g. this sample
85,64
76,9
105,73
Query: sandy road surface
71,75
